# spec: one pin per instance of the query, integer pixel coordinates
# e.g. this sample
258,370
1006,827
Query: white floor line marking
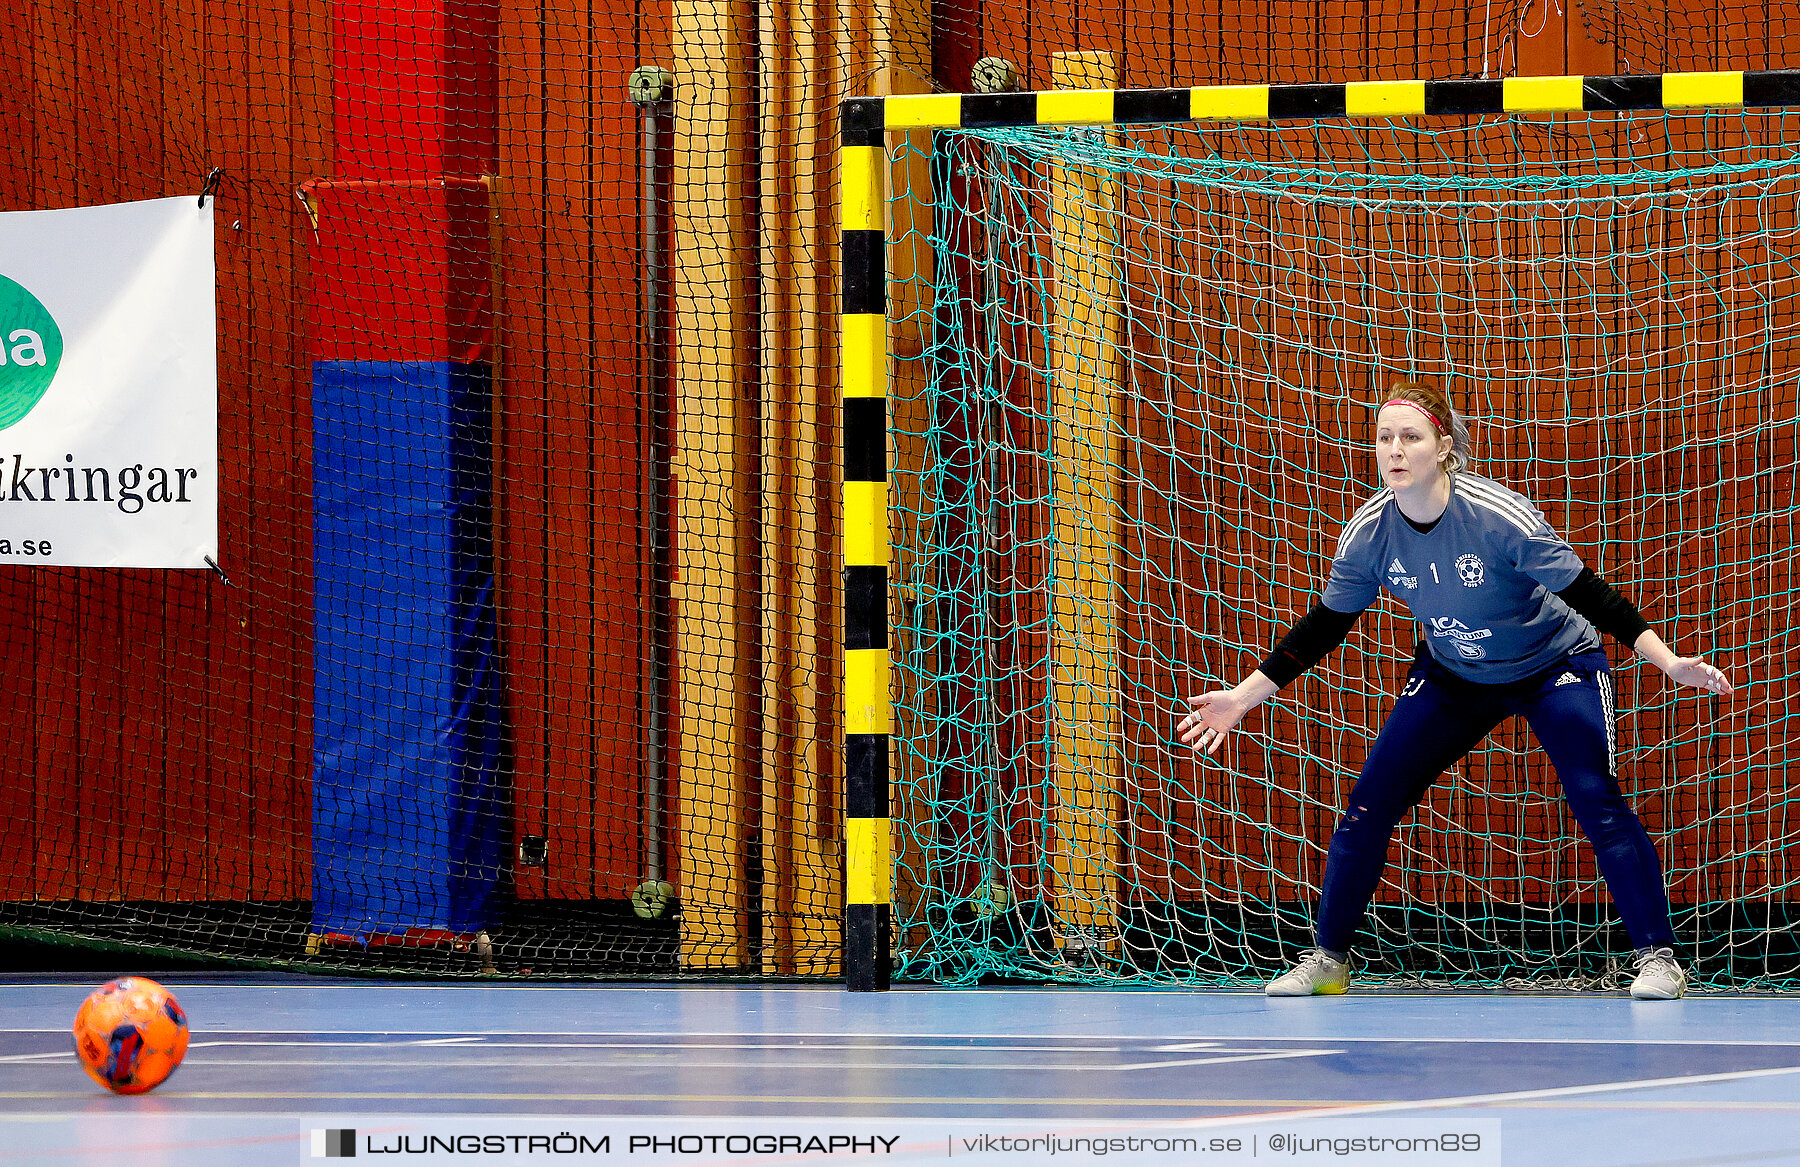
213,1044
1249,1057
685,1064
1199,1047
338,1044
446,1040
1505,1099
1637,1104
750,1047
749,1040
1233,1055
794,1045
563,1099
949,1041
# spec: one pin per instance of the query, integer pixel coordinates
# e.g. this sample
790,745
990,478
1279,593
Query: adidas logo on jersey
1566,679
1395,568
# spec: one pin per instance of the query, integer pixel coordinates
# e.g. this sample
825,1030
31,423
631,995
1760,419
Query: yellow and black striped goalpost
867,712
864,124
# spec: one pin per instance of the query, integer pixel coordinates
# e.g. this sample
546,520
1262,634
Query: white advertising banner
109,386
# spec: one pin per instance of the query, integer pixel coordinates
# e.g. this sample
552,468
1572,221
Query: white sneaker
1659,975
1317,972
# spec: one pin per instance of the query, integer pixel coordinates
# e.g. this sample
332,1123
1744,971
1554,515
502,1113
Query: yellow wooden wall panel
714,466
801,532
1085,429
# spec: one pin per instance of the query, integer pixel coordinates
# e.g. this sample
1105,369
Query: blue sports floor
1552,1079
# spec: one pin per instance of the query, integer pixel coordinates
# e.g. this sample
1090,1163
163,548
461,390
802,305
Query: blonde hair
1436,402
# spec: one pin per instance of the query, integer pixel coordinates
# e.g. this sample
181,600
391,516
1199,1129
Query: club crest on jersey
1471,571
1397,577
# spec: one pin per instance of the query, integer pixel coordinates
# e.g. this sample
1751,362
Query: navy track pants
1440,717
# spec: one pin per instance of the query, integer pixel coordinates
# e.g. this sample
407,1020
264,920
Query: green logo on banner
31,348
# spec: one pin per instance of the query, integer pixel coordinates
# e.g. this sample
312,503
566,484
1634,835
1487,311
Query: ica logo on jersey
1460,635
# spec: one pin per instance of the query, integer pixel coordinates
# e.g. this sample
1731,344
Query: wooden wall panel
521,577
568,396
177,642
32,786
799,812
1780,47
573,621
59,612
252,716
282,823
621,613
1148,637
196,761
718,499
115,845
1142,43
1016,32
19,112
18,586
201,801
19,827
1086,410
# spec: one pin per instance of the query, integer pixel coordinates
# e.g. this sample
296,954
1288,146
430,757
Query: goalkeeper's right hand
1212,717
1214,714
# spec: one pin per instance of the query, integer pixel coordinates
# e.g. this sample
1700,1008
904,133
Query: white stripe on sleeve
1501,498
1364,516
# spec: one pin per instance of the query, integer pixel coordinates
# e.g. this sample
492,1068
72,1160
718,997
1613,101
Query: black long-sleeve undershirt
1322,629
1307,643
1605,608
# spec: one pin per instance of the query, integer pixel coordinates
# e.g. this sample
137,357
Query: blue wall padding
410,810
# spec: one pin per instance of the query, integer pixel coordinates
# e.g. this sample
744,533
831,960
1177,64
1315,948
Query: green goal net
1137,412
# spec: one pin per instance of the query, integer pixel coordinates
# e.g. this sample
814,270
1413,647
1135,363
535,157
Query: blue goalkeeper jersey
1480,582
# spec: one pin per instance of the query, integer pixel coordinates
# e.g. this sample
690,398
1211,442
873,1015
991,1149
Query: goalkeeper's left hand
1692,671
1695,673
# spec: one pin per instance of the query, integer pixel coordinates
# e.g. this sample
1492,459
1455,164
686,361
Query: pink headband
1429,416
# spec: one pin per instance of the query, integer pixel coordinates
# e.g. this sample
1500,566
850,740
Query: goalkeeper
1509,617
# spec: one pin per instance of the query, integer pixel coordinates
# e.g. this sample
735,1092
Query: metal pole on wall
653,92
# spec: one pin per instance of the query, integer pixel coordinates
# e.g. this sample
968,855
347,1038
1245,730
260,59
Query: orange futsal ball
130,1034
